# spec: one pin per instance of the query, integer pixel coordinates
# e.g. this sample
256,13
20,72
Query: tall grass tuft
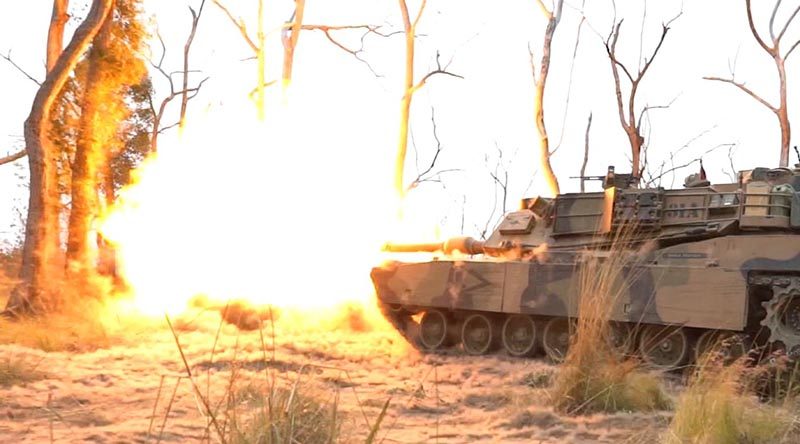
274,415
17,369
596,376
719,406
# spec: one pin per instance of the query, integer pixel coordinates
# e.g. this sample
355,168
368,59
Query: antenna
796,151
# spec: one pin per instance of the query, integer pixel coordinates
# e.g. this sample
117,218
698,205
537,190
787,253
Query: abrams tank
711,262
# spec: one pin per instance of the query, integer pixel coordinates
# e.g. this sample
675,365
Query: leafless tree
55,43
41,251
627,117
781,111
553,18
430,174
409,88
290,34
185,92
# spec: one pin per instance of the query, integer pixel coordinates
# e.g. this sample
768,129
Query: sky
348,117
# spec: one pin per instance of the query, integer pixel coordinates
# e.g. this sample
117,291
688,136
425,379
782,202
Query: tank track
408,327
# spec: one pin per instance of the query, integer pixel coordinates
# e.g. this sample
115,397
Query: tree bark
89,153
41,250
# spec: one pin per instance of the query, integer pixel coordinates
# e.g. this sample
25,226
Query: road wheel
556,338
664,347
434,330
478,334
519,335
730,345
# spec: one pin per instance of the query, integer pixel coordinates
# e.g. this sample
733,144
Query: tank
713,261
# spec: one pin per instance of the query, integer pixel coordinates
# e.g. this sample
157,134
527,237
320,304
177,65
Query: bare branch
569,84
427,175
239,25
788,22
684,165
25,73
647,63
12,157
439,70
419,13
791,49
772,22
745,89
368,29
769,50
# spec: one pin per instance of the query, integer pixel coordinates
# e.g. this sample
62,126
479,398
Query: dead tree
781,111
257,46
409,88
627,117
55,43
290,34
553,18
185,92
41,250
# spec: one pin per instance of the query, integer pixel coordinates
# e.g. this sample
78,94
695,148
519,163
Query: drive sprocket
783,314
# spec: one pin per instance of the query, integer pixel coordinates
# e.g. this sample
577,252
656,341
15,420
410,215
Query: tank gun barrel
466,245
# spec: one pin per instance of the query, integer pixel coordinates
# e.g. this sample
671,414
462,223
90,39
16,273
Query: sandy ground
109,395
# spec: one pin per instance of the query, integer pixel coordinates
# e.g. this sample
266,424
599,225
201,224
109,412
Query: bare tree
290,34
41,250
409,88
185,92
781,111
430,174
553,18
627,118
186,48
55,43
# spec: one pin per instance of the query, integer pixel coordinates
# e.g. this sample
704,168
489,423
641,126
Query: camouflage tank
714,261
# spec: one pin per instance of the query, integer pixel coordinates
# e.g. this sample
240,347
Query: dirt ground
122,393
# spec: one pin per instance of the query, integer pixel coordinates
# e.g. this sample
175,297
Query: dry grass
270,407
279,414
594,376
719,407
17,369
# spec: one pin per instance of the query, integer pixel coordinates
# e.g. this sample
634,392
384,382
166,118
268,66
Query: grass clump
719,407
281,415
16,369
595,375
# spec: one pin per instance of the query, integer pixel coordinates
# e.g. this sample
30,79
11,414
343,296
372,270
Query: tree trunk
405,104
783,112
544,69
55,35
41,250
89,156
290,43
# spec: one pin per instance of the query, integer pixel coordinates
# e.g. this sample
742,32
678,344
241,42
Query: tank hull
699,286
